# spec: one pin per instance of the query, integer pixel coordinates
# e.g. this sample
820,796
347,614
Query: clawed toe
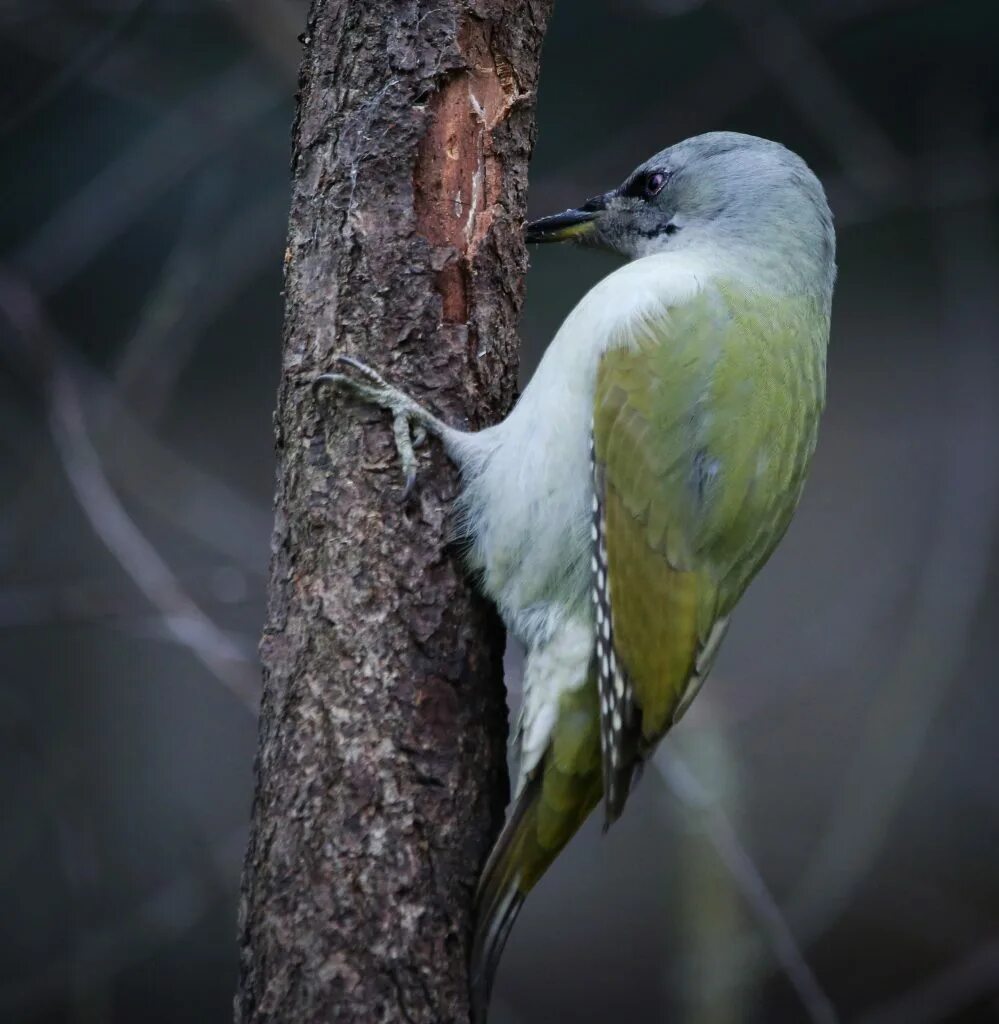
334,379
371,377
363,369
374,388
411,422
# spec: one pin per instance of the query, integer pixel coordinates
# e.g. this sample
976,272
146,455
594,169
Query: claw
326,378
408,486
363,369
404,446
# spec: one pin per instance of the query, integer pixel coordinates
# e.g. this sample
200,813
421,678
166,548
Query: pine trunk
381,769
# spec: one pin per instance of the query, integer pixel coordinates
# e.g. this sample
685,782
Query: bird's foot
410,421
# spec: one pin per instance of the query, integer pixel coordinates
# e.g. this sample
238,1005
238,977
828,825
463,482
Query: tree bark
381,768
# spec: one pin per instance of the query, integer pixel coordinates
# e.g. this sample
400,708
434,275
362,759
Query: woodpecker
647,472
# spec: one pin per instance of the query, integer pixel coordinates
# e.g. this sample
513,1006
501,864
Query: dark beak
570,224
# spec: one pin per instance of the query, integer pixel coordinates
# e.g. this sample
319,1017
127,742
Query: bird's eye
654,184
645,186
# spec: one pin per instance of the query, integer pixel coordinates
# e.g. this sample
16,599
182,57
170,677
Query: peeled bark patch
381,771
458,175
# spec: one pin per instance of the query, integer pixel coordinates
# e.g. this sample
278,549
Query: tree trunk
381,766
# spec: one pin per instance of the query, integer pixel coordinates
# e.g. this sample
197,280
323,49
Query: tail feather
498,901
549,810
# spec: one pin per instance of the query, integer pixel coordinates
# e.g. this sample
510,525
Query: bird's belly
530,522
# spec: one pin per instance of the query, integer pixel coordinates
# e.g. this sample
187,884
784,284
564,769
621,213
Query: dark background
823,830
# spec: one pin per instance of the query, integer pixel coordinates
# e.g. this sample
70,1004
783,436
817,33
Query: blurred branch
153,627
190,264
82,61
954,572
798,66
181,306
81,463
201,126
685,788
35,604
134,73
191,296
273,27
203,505
181,616
199,503
711,908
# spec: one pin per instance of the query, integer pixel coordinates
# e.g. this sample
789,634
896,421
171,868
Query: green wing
704,424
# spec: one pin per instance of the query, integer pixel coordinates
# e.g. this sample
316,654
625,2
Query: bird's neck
776,261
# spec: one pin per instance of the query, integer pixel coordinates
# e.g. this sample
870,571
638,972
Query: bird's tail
556,800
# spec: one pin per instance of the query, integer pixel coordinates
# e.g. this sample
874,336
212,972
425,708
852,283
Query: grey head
731,195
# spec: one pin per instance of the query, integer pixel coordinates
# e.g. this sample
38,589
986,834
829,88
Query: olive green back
705,420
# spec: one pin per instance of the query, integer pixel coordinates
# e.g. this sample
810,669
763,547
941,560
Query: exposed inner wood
457,177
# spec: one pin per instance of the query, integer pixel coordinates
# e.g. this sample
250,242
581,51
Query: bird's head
725,190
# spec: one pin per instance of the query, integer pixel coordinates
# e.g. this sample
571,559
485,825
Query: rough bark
381,767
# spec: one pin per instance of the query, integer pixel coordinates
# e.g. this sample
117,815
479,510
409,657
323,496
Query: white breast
528,485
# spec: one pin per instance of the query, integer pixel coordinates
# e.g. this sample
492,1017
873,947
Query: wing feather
704,421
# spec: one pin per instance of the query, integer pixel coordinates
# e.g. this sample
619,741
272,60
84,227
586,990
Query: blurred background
819,840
